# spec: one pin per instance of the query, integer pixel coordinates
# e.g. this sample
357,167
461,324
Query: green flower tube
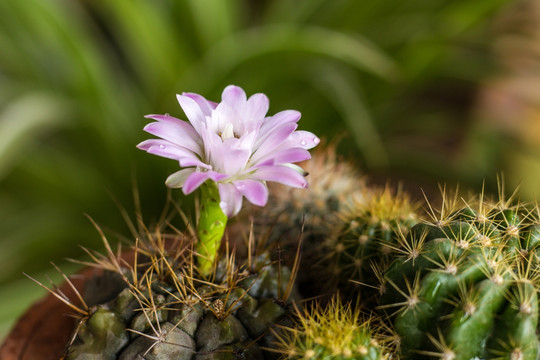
210,229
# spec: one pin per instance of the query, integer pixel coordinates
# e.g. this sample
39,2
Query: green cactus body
200,321
101,336
515,330
334,331
371,230
471,290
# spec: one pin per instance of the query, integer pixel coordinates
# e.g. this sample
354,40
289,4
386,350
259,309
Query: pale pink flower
232,143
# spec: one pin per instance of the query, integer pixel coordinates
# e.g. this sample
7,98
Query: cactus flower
232,143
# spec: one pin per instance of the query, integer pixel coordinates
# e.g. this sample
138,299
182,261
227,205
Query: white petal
230,199
193,112
256,108
305,139
180,133
205,105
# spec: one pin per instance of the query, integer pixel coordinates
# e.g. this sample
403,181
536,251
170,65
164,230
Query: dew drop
303,142
162,146
167,115
316,140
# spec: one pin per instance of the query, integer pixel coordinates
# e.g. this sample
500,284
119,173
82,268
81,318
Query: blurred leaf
266,40
145,34
21,120
214,19
344,93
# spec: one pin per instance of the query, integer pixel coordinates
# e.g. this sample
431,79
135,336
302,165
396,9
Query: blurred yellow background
424,90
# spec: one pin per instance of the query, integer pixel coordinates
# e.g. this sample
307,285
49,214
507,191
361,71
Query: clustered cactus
389,282
468,286
460,283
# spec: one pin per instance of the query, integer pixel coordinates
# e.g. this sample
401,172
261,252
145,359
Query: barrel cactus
367,235
312,215
308,216
161,308
466,285
335,331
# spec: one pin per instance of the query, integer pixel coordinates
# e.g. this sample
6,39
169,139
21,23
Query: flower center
227,132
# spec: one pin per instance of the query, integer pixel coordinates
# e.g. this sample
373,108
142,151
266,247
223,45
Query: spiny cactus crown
334,331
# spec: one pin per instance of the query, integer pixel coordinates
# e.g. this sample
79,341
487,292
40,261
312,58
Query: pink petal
289,155
211,140
234,96
165,149
193,112
282,117
193,181
230,199
179,133
228,158
164,118
224,114
272,140
255,191
305,139
205,105
256,107
247,140
215,176
281,174
178,179
193,161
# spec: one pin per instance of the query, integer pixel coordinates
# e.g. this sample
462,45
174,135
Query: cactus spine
335,331
369,231
161,308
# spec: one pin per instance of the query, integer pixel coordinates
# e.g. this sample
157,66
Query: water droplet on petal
162,146
167,115
222,205
316,140
303,142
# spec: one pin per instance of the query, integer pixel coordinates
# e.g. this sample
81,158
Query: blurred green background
423,91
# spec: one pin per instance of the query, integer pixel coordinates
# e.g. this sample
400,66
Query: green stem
212,223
